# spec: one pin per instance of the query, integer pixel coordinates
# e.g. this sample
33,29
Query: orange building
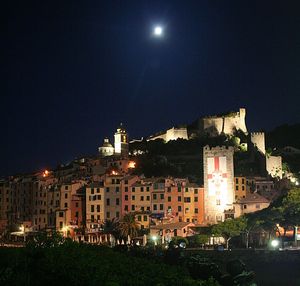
240,184
193,198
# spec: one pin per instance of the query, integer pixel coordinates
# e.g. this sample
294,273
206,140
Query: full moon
158,31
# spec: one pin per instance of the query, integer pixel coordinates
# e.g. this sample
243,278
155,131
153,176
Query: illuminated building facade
218,182
121,141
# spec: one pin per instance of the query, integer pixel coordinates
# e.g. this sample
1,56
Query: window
139,218
169,199
148,208
179,198
243,188
66,205
98,190
99,197
243,181
117,189
236,188
66,195
236,180
245,207
142,189
107,202
107,189
126,197
66,187
60,224
145,218
154,196
161,207
126,183
76,205
133,189
155,207
113,181
195,199
92,218
126,208
142,198
92,208
148,198
107,214
196,210
179,208
162,196
133,207
218,202
195,191
148,189
117,201
133,198
187,200
98,208
117,214
126,189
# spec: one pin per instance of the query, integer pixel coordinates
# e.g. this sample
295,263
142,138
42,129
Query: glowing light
131,164
154,237
275,243
45,173
22,228
158,31
113,172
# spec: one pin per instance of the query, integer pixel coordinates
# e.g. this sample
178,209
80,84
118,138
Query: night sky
72,70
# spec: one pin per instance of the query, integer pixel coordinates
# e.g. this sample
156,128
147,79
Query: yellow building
95,206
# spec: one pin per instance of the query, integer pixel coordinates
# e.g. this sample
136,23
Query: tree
128,226
111,227
290,210
230,228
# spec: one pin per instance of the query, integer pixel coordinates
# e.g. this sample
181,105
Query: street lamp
154,238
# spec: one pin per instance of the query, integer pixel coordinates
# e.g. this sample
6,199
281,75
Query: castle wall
258,140
218,182
171,134
175,133
160,136
274,166
213,126
227,124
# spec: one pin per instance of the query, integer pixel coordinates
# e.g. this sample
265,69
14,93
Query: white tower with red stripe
218,182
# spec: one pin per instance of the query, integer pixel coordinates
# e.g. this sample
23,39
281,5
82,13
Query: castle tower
218,182
121,141
258,140
106,149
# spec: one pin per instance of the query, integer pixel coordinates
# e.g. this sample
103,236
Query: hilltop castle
210,125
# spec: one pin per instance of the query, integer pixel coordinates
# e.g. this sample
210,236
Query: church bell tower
121,141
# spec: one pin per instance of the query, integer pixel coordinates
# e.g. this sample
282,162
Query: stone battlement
217,148
257,134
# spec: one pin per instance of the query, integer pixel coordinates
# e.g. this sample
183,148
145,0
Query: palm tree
128,226
111,227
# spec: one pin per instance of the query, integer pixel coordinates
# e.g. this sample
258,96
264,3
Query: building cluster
80,197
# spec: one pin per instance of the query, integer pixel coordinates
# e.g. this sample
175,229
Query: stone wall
258,140
274,166
226,124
